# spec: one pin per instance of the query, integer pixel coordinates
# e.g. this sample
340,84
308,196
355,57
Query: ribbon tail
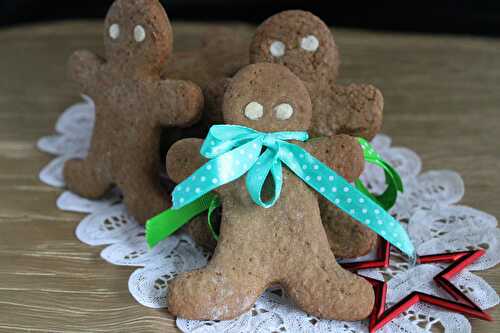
388,198
392,179
165,224
345,196
394,176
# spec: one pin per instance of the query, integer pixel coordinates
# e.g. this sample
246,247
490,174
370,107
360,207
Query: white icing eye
139,33
309,43
277,48
283,111
254,111
114,31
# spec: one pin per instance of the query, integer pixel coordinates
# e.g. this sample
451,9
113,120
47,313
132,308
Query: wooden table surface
442,97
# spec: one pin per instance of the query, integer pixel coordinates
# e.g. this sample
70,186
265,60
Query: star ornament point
381,260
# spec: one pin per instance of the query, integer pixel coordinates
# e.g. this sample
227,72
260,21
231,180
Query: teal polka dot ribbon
237,150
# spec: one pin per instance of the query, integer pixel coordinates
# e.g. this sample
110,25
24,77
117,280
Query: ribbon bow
235,150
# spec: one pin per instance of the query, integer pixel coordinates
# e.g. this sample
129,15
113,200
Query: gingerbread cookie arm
83,67
356,109
180,103
341,153
184,158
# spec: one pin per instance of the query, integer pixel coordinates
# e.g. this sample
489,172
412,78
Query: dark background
446,16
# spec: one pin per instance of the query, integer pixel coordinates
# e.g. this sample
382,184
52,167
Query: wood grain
442,100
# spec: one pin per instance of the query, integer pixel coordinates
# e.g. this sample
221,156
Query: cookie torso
295,213
124,116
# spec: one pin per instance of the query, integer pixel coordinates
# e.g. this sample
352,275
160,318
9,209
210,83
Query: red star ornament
381,316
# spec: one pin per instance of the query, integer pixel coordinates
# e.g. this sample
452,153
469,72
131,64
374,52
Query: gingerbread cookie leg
235,276
335,299
226,287
85,179
143,195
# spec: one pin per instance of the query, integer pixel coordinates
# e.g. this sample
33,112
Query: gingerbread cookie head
267,97
137,36
299,40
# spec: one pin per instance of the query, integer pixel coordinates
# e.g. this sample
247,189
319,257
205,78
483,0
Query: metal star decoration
381,316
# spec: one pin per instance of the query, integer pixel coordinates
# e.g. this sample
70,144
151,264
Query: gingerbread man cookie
285,244
132,104
302,42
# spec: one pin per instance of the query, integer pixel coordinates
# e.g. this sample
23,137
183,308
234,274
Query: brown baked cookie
303,43
287,38
132,103
284,244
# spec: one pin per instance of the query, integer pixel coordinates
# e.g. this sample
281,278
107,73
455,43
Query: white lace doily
428,208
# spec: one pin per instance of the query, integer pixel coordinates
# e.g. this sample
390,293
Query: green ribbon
394,184
214,204
165,224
